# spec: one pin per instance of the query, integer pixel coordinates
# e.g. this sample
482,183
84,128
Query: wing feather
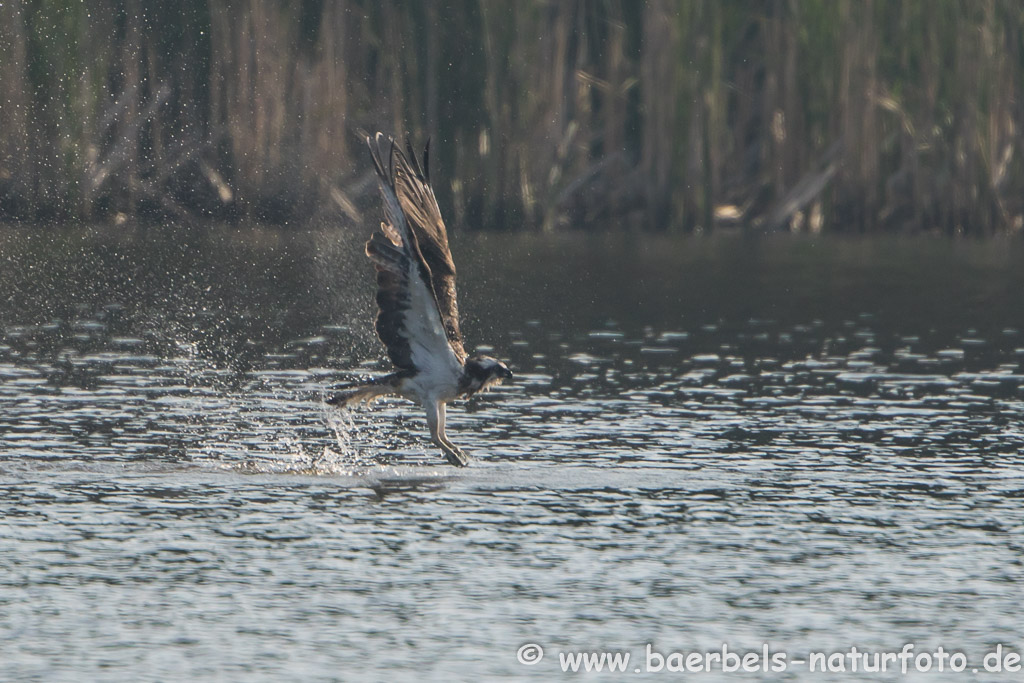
418,203
409,320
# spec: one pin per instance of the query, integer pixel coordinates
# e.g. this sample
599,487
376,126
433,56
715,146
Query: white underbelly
435,384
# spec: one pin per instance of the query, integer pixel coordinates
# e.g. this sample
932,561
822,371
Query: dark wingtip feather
391,157
412,157
374,145
426,160
376,151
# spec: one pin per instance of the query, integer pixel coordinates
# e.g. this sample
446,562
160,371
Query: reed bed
838,115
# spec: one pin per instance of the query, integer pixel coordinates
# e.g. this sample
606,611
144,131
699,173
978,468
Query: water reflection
707,441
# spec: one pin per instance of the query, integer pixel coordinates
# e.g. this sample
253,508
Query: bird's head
483,372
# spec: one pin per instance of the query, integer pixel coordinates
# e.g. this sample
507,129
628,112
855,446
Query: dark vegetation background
836,115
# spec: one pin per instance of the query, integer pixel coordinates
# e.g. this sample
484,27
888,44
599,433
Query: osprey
418,317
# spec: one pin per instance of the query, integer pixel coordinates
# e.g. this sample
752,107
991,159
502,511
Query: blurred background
659,115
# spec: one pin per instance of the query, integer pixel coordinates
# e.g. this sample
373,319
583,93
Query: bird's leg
444,436
435,421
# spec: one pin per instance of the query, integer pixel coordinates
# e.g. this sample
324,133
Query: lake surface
801,442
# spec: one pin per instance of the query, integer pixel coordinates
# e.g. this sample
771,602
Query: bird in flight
418,315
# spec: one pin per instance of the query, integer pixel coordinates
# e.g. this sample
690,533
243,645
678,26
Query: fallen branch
805,191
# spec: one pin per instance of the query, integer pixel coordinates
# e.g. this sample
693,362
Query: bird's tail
368,392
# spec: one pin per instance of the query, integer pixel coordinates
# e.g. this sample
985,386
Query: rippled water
808,443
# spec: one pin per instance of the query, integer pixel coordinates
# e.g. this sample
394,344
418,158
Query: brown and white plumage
418,315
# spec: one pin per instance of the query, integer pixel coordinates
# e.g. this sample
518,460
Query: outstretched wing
409,321
411,183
